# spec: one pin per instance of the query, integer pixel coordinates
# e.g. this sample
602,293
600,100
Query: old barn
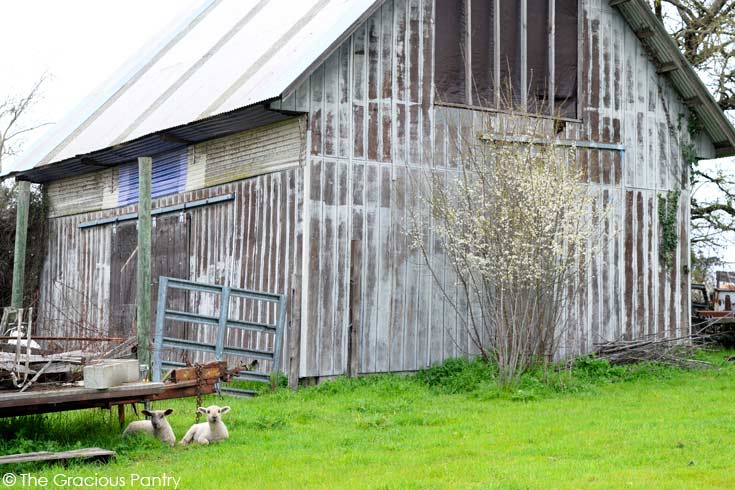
282,132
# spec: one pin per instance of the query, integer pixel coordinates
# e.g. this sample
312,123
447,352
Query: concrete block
110,372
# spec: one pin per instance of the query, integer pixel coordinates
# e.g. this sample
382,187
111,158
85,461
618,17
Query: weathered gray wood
143,279
21,234
355,314
88,453
66,395
294,334
372,115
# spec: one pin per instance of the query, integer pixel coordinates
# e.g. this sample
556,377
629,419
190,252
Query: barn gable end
374,113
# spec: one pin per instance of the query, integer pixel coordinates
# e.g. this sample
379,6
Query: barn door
169,257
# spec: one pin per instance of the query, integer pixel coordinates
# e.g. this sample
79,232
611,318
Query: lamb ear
168,411
147,413
201,410
225,409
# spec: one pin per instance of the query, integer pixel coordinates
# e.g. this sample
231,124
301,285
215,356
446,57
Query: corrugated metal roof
227,55
210,74
666,54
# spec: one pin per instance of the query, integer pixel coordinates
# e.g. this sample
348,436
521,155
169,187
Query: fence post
143,293
277,346
294,334
21,235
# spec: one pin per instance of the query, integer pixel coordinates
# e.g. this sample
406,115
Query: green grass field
451,427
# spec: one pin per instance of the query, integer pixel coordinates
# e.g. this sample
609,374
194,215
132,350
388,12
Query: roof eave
687,82
158,142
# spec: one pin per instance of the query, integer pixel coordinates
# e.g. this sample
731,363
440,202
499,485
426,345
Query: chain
198,371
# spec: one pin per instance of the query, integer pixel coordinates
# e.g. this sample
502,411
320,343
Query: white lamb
212,430
157,426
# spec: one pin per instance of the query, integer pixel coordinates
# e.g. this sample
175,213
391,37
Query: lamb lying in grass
157,426
212,430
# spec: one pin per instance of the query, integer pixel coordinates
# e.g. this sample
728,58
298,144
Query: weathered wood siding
253,242
246,154
373,123
372,119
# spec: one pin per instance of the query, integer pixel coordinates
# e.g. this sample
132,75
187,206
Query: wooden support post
294,334
353,345
143,293
21,233
121,415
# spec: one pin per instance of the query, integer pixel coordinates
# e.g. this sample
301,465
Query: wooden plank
355,313
400,87
385,271
373,86
397,323
21,235
213,370
344,87
123,279
143,278
629,286
87,453
294,332
684,258
424,29
327,271
593,335
370,281
317,111
359,92
331,101
78,395
312,324
342,264
413,268
640,269
651,260
386,83
608,272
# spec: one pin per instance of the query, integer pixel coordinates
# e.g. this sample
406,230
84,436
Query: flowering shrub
516,223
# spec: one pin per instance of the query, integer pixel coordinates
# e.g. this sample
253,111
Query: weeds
449,426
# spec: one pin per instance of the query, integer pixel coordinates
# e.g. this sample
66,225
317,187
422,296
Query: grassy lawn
640,427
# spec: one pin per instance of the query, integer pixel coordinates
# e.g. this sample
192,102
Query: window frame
524,63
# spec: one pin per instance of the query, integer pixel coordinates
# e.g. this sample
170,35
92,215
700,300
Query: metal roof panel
226,55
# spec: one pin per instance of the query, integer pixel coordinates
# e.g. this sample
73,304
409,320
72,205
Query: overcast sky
81,43
78,43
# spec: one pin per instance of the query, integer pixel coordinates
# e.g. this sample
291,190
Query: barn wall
248,153
372,119
253,241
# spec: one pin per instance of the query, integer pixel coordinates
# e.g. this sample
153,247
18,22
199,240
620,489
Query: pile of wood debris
26,364
677,351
